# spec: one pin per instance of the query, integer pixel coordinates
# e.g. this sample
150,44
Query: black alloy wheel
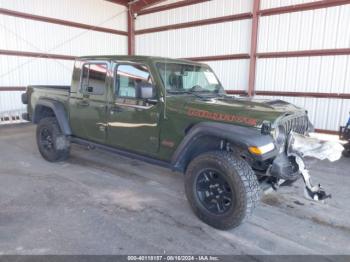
52,143
46,139
214,192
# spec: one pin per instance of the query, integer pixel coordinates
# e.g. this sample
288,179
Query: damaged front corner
301,146
312,147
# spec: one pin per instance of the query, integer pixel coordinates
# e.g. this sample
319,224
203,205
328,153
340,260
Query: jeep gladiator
175,113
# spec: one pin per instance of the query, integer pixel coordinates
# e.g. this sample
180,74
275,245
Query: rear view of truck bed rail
51,86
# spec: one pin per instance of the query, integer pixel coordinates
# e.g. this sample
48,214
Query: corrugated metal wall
326,74
233,74
265,4
28,35
205,10
207,40
92,12
323,28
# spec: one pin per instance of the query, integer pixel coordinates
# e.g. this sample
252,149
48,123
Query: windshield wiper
186,92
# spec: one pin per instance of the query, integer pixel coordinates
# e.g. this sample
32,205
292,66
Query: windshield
179,78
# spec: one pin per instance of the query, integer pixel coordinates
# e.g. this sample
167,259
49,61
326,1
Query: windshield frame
218,91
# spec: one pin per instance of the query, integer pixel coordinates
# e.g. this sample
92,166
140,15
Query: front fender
240,136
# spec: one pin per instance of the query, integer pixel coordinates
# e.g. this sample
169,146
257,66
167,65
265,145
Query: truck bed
50,87
55,92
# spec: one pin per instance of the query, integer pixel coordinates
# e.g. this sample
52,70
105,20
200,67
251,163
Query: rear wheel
53,145
221,188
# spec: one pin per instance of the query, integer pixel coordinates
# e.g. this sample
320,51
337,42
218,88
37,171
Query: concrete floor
100,203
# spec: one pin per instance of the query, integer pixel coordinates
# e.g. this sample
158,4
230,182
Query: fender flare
239,136
59,111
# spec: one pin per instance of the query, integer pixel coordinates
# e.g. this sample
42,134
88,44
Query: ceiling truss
136,5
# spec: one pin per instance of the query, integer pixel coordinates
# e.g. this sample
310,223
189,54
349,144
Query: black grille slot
298,124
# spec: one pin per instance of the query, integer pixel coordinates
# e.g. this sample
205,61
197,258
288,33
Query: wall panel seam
209,21
45,19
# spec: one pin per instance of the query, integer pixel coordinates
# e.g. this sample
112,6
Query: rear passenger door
89,109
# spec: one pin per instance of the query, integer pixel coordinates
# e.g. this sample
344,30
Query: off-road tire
240,177
60,143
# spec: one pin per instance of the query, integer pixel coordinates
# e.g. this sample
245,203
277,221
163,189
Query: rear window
93,80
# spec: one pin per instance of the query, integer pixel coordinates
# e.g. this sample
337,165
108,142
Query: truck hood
233,109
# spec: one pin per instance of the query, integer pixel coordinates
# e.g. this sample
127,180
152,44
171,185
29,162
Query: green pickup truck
174,113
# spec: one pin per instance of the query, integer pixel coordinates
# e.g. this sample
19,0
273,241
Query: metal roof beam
171,6
137,5
120,2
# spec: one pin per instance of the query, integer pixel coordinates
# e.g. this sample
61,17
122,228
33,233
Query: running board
121,152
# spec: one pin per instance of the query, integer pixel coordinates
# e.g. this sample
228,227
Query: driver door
133,120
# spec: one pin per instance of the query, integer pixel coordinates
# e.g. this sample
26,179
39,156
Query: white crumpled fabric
313,147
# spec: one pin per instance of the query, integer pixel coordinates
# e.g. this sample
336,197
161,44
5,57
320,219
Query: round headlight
280,135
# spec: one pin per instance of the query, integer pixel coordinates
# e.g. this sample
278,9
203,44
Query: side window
93,79
132,79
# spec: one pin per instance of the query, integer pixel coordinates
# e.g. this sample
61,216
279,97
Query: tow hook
316,193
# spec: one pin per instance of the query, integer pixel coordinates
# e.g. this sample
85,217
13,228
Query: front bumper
290,164
284,167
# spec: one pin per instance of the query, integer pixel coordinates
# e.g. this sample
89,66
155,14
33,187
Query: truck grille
298,124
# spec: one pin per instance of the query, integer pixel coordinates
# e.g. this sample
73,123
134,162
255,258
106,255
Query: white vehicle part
313,147
316,193
301,146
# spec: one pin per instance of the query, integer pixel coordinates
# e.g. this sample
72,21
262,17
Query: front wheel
53,145
221,188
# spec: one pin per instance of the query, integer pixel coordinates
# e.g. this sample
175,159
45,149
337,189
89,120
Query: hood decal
222,117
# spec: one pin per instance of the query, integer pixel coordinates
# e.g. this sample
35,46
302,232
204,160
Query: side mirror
147,91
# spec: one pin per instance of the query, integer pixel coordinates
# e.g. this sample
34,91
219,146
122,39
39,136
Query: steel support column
253,47
131,32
